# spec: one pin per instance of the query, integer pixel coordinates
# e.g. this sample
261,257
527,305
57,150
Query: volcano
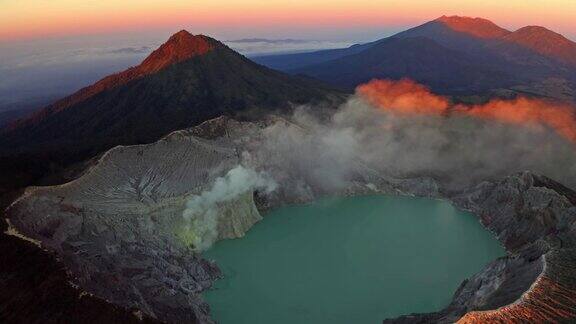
452,55
188,80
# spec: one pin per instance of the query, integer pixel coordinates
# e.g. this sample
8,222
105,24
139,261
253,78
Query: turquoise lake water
348,260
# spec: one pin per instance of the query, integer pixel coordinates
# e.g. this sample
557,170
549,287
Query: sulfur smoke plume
201,212
403,130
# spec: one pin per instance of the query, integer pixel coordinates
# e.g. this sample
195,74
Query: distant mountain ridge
530,58
419,58
487,36
291,62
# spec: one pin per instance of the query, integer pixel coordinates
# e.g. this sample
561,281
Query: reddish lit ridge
179,47
409,98
478,27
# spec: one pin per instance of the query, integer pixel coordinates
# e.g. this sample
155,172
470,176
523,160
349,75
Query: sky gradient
320,19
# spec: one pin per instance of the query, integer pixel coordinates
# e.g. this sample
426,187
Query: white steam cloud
326,149
201,212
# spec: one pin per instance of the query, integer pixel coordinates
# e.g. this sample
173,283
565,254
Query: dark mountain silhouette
452,32
491,46
452,55
186,81
420,58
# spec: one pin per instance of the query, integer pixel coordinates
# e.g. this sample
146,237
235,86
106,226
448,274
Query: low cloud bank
407,97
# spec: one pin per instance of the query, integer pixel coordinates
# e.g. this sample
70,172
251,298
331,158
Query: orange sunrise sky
30,19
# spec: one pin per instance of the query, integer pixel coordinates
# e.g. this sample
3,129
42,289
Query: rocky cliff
534,218
119,227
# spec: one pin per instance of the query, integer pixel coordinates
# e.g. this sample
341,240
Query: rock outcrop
534,218
117,228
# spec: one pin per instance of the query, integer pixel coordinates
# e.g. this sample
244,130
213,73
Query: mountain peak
456,18
545,42
179,47
182,34
478,27
537,31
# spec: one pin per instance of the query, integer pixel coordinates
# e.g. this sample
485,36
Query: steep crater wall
534,218
120,230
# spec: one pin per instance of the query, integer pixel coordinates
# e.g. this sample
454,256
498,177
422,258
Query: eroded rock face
120,228
534,218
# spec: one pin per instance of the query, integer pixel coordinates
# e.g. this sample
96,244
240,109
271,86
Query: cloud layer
407,97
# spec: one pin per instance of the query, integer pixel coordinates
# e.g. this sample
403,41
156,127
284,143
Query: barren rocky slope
120,229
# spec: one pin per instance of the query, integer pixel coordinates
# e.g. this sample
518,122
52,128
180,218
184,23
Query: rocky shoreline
115,227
